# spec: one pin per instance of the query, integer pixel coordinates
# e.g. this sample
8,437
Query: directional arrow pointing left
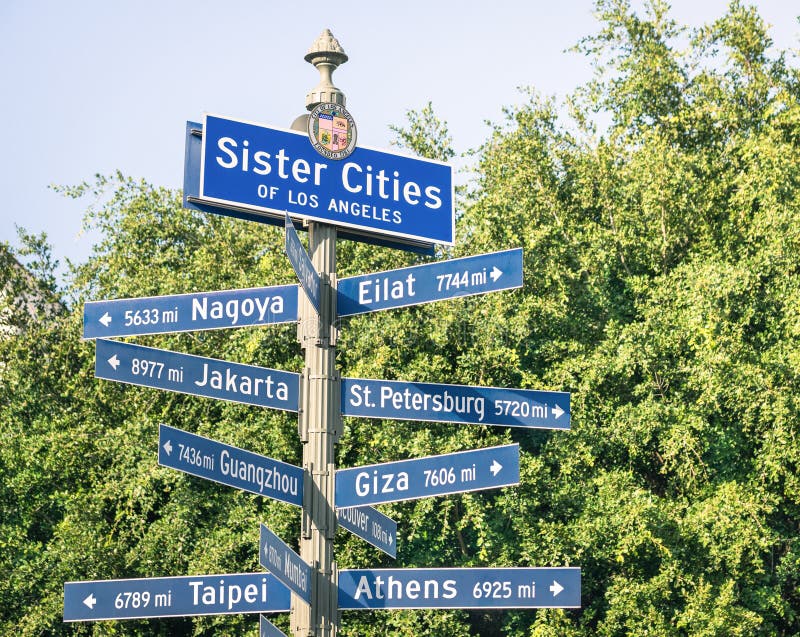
90,601
114,362
168,447
105,319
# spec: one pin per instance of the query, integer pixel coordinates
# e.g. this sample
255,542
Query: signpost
228,465
433,402
370,525
263,172
277,557
424,477
196,375
430,282
259,173
488,588
174,597
189,312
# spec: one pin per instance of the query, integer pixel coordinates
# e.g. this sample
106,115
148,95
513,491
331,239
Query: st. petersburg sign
268,172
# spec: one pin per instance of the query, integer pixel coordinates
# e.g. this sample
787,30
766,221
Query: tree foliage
660,221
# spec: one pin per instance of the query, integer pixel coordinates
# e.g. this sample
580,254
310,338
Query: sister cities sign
269,171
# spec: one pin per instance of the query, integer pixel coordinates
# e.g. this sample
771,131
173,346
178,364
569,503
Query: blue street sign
269,171
268,629
277,557
192,201
174,597
228,465
424,477
430,282
370,525
365,589
186,312
303,268
196,375
432,402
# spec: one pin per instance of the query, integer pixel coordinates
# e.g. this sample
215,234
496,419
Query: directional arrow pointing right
90,601
556,588
558,411
105,319
495,468
496,273
114,362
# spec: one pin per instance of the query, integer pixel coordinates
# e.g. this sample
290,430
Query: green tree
662,254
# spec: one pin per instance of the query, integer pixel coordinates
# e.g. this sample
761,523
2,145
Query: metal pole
319,418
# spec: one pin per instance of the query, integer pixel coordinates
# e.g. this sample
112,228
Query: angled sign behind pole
308,275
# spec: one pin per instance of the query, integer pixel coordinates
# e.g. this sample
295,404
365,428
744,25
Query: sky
93,86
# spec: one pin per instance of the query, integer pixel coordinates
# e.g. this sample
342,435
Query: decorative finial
326,54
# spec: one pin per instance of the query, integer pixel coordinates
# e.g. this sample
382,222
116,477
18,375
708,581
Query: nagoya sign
268,171
433,402
174,597
186,312
228,465
196,375
424,477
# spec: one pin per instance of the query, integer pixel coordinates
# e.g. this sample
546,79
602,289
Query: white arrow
496,273
114,362
168,447
391,539
495,468
558,411
556,588
105,319
90,601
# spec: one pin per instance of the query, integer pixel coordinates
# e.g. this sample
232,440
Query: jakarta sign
269,171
